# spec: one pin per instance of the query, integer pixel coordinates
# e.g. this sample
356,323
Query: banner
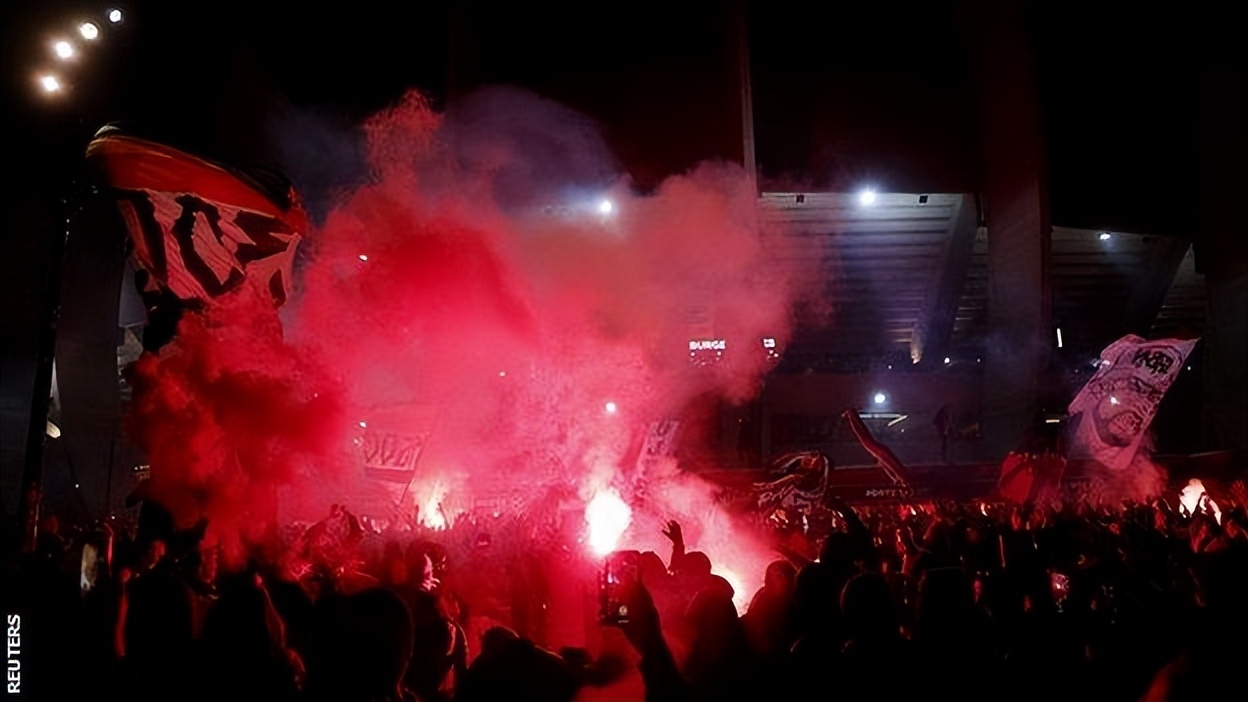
802,484
660,443
1119,402
390,456
199,229
388,445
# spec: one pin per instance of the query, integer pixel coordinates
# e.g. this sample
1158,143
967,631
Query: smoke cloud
473,307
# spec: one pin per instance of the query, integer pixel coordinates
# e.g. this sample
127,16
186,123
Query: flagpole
68,117
37,429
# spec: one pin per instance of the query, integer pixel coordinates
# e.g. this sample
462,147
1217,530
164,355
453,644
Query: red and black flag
199,229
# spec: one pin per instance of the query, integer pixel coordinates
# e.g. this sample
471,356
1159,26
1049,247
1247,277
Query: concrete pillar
1226,364
1016,208
86,366
1222,240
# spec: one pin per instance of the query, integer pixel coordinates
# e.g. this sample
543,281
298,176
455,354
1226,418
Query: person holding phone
719,665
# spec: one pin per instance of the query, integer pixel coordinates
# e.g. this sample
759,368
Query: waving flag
1120,400
199,229
802,485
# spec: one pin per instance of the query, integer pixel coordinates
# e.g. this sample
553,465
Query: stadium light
606,207
63,50
50,84
867,197
114,16
89,31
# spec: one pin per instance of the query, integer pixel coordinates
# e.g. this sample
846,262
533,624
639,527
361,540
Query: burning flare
431,514
608,516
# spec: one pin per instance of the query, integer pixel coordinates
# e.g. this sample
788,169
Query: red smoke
464,300
228,413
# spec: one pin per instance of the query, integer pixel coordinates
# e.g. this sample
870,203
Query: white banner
389,444
388,455
1120,400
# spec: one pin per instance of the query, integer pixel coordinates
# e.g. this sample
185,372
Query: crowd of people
972,601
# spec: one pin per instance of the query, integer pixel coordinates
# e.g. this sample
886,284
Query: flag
659,444
388,446
1119,402
199,229
802,485
1027,477
390,456
661,439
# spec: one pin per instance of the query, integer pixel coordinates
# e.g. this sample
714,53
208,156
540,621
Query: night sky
1132,97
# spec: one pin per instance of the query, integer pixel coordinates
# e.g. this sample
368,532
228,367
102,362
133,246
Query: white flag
1120,400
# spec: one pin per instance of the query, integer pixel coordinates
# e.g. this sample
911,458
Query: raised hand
673,532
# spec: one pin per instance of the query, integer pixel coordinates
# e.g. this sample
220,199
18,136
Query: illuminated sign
708,345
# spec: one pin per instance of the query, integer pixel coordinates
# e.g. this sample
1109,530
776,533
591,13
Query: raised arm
123,613
663,681
853,522
109,539
674,534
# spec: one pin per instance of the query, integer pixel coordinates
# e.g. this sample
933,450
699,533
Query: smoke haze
474,297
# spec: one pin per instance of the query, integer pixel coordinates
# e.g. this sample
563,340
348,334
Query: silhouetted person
363,643
1215,647
438,643
513,668
768,618
955,641
157,626
720,664
876,662
242,646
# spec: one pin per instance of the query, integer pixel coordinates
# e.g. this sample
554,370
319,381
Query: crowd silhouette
970,601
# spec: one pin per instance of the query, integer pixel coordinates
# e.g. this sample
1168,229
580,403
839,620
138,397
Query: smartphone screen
620,568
